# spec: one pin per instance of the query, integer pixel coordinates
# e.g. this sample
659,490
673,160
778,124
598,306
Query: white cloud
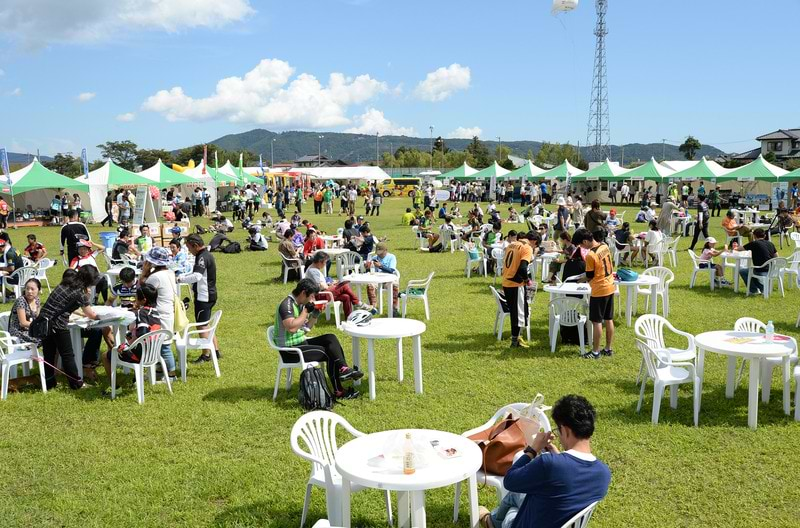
86,96
373,121
16,92
126,117
440,84
465,133
267,95
37,23
2,72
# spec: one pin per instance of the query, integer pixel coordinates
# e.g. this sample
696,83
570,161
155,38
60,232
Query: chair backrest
503,411
271,337
499,299
317,430
46,263
749,324
568,310
775,266
349,262
651,360
213,323
695,258
581,519
673,244
796,238
151,344
424,284
340,231
28,262
4,318
23,274
794,260
650,329
665,276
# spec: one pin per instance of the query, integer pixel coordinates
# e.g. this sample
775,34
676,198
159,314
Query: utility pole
272,153
377,149
431,127
622,163
663,150
319,151
597,137
500,147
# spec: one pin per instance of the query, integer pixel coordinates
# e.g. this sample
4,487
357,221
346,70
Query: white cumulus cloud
269,95
373,121
126,117
15,92
442,83
465,133
37,23
86,96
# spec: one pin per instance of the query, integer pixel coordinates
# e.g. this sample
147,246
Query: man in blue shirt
384,262
548,487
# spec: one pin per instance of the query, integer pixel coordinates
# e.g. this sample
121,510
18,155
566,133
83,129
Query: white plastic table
113,272
357,461
755,349
642,280
738,257
568,288
117,318
332,240
383,280
332,252
544,261
396,328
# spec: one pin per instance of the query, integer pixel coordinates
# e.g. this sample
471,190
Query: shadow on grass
246,393
487,344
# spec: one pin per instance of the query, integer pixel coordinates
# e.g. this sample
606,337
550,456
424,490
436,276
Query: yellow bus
398,186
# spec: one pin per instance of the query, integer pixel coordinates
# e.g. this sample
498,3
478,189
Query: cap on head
711,240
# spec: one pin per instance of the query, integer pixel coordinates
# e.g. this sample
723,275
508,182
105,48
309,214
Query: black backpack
232,247
314,393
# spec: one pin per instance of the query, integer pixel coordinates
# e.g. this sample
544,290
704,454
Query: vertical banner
241,174
4,161
85,161
261,164
205,158
493,186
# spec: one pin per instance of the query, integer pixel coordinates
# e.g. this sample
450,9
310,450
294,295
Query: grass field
216,453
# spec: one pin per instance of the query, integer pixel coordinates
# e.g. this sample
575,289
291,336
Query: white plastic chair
795,237
655,253
448,238
22,276
750,324
496,481
150,355
41,270
568,311
797,394
650,329
617,252
672,250
772,276
332,306
581,519
667,373
502,313
292,263
14,353
418,285
665,278
347,263
420,237
474,264
792,269
190,339
710,270
317,430
497,257
301,363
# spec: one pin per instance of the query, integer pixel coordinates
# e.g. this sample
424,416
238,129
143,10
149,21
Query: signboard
593,178
145,211
746,178
442,195
637,178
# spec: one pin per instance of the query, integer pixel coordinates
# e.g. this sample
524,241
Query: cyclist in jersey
600,274
516,259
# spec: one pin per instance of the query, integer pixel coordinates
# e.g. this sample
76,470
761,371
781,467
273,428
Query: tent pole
14,209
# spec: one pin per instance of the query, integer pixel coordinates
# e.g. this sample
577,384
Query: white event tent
344,173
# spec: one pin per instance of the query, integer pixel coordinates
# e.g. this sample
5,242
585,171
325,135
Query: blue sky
722,70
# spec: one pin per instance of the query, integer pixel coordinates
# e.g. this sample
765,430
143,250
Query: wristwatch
529,451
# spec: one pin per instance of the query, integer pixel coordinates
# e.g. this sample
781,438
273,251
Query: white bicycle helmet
359,317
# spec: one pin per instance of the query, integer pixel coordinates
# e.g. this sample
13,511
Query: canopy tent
212,177
110,175
245,178
561,172
650,171
607,171
36,177
527,172
486,174
679,165
458,173
794,175
344,173
162,176
702,170
758,170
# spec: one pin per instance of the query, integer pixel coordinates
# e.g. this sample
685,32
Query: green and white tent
461,173
757,170
37,177
703,170
162,176
493,170
650,171
105,178
561,172
604,172
528,172
791,176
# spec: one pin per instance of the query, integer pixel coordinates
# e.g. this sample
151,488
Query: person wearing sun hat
156,272
562,218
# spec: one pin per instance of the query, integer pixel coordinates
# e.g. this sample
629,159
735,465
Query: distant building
319,161
784,144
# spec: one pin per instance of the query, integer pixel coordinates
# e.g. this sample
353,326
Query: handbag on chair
499,444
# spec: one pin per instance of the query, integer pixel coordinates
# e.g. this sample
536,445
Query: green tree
530,155
507,164
479,153
690,147
770,157
501,153
123,153
455,158
146,158
65,164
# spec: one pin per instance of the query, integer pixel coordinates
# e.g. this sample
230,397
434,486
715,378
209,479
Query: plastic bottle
408,456
770,334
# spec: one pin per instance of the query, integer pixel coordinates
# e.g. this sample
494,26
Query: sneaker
347,373
202,358
485,517
607,352
519,343
591,355
349,394
160,380
523,343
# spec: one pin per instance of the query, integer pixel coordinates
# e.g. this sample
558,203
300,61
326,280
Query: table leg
371,367
345,504
403,509
787,394
400,359
752,393
730,380
77,348
474,520
736,278
653,301
418,509
628,303
417,343
389,300
357,356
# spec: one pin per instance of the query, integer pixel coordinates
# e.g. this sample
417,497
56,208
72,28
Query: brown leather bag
499,444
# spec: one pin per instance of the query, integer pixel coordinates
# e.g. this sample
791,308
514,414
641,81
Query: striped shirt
288,309
62,302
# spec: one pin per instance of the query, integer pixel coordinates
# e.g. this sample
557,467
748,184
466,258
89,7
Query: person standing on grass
203,279
549,486
3,214
109,208
701,224
516,259
72,232
600,274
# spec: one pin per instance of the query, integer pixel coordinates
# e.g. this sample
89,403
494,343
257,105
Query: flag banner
85,161
216,161
4,161
205,158
261,164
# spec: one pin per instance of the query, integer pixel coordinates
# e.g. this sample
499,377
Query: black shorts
601,308
202,311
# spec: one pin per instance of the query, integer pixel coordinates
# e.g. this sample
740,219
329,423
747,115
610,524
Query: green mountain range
361,148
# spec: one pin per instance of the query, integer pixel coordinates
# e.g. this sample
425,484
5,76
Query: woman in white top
653,237
155,272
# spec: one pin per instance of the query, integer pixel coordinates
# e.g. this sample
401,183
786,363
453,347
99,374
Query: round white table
740,258
332,240
383,280
568,288
746,345
630,294
396,328
117,318
362,461
544,261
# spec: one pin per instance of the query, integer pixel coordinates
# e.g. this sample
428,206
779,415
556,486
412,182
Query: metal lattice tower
599,132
